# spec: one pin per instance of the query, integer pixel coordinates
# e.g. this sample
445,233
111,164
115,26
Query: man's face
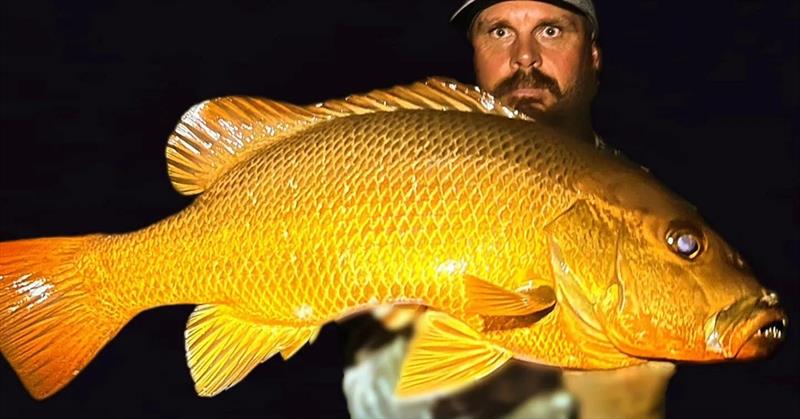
537,58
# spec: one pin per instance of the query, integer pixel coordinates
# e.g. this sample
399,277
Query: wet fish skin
310,214
404,229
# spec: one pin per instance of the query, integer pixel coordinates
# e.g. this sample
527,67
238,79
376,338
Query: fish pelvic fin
51,326
446,355
216,134
488,299
222,346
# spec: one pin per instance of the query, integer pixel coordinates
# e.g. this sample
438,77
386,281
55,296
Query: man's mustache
522,80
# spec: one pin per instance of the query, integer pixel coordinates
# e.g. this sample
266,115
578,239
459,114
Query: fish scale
294,242
521,242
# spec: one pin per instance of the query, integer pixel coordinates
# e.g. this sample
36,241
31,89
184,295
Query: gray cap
464,16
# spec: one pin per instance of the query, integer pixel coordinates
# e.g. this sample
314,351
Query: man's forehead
525,13
579,12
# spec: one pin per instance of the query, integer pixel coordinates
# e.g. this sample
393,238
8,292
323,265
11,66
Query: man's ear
597,56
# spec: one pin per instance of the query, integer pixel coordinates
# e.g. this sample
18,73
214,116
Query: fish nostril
770,299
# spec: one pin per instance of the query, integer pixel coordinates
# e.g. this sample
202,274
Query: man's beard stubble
567,103
521,80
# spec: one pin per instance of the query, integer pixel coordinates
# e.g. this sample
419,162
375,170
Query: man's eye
500,32
551,31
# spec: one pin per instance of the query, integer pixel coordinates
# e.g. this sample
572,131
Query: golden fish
521,242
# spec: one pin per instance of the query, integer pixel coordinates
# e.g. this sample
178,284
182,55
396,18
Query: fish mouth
766,338
750,328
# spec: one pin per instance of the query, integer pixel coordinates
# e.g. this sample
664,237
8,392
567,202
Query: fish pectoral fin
487,299
222,348
446,355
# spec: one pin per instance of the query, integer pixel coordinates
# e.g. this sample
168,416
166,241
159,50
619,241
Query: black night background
705,94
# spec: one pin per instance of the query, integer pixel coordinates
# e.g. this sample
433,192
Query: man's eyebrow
492,23
561,21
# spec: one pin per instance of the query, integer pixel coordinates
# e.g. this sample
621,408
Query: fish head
650,275
690,295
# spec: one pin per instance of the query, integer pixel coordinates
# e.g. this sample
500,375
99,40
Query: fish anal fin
446,355
488,299
306,335
216,134
397,317
222,348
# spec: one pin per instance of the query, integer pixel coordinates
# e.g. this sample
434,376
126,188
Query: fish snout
766,331
751,328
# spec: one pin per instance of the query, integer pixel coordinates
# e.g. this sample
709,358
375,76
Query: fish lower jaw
750,328
764,341
756,336
774,330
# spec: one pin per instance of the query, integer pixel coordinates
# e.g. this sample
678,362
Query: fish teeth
772,332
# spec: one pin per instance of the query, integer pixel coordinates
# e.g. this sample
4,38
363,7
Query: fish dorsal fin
214,135
488,299
446,355
434,93
222,348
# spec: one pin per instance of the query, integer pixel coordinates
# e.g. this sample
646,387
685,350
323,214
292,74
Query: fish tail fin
51,326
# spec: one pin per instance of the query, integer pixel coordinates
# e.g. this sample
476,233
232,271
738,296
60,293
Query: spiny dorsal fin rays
216,134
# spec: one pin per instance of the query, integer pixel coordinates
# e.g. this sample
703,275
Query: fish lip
761,336
750,328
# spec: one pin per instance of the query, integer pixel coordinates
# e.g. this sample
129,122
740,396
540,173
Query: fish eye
687,242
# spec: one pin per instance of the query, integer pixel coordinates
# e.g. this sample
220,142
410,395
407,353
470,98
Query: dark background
704,93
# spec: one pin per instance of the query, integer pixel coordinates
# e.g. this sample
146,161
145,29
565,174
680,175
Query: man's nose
526,53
